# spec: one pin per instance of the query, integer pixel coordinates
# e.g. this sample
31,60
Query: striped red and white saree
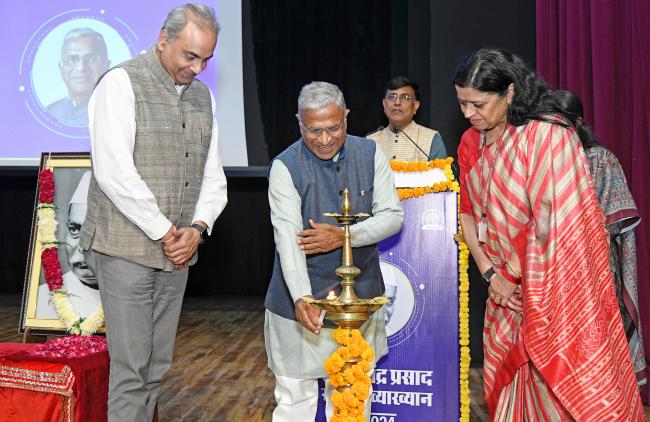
566,357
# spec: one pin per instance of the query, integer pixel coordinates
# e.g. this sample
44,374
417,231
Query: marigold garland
414,166
59,297
463,324
348,369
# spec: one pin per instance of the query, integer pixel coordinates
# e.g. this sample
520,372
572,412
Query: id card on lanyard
482,225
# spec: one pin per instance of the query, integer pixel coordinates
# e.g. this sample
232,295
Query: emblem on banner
432,219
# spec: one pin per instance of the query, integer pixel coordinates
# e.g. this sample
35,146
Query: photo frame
80,294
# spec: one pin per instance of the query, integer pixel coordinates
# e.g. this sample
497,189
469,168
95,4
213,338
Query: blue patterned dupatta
622,217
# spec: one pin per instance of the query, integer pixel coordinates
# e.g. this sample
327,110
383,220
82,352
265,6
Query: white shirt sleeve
213,195
286,218
387,212
111,112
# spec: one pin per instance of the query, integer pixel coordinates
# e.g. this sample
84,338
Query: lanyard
484,194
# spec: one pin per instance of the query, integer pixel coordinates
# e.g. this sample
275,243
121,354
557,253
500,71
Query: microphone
379,129
396,130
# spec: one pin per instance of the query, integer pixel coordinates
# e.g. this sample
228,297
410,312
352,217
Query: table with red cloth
39,385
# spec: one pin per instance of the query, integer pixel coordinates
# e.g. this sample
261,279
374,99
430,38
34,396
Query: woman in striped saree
554,346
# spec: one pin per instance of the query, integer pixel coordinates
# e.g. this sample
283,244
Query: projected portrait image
400,295
67,65
84,58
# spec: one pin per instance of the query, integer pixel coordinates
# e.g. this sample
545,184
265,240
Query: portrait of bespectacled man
79,281
84,58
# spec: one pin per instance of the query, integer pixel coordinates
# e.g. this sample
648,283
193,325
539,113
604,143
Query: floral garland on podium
416,166
46,224
463,263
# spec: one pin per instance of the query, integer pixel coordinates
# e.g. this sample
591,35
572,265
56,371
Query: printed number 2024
382,418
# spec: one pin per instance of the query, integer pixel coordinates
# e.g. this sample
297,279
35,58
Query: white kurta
397,146
292,350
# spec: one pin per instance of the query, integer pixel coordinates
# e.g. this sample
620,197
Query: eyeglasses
73,59
74,229
404,97
317,131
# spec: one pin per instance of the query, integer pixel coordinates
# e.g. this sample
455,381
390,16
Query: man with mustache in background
403,139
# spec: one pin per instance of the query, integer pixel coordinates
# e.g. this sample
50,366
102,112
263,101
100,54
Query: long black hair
493,70
574,113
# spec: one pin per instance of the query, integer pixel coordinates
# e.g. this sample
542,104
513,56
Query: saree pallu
622,217
542,208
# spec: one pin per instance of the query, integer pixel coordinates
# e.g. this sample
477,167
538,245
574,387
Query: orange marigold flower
364,365
338,400
355,350
342,336
368,355
361,391
350,399
363,378
344,352
356,412
348,375
337,380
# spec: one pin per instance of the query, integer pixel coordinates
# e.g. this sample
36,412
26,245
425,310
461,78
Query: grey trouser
142,306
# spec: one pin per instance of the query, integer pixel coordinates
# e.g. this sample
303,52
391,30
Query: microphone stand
396,130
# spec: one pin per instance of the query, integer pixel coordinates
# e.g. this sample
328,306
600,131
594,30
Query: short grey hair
76,33
318,95
200,14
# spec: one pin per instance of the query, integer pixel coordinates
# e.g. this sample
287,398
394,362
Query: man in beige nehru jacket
403,139
157,188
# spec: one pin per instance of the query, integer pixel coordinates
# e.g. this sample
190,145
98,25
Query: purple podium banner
419,378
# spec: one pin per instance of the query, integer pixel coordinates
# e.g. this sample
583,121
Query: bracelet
510,277
487,275
512,271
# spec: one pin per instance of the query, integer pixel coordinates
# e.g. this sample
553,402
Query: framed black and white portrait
60,290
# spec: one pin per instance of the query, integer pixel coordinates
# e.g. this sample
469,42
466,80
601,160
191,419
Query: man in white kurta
297,348
157,187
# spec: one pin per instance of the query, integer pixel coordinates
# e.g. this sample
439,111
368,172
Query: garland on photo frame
59,297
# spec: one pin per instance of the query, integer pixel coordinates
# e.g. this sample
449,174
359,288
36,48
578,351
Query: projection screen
53,57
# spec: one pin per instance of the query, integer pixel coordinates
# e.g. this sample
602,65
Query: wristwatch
202,232
486,276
